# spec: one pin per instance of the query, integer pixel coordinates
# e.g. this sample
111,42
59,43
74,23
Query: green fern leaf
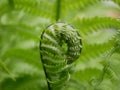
87,25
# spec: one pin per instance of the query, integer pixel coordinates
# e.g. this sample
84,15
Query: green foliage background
21,25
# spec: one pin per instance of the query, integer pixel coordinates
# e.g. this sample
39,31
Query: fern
36,7
95,23
23,22
21,30
117,42
108,66
2,65
52,41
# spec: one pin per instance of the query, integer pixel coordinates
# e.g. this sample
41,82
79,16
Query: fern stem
57,65
58,10
48,84
49,88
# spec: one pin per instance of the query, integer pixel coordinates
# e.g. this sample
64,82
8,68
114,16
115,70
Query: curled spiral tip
60,45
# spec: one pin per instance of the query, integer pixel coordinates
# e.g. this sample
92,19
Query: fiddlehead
60,45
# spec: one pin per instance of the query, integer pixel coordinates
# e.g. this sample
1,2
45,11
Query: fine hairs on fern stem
60,46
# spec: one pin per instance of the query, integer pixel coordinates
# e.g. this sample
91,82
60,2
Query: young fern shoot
60,46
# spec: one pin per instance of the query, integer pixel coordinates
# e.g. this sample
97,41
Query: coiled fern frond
56,60
20,25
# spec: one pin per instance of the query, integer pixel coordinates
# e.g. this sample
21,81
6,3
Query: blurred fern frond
87,25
